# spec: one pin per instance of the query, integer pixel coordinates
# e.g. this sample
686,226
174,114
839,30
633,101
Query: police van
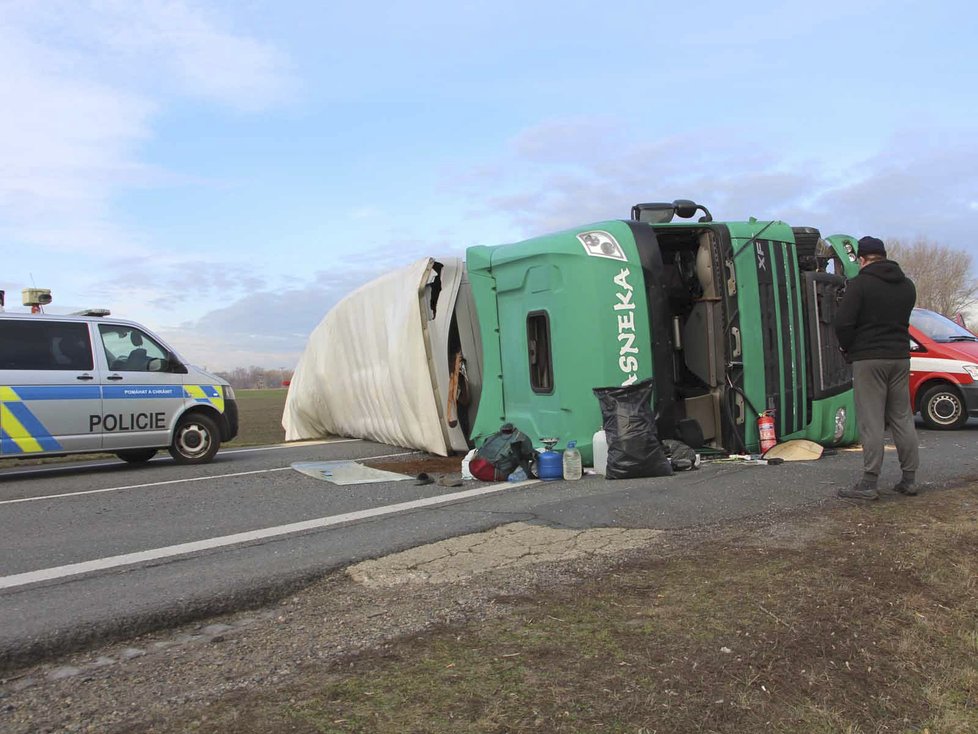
90,383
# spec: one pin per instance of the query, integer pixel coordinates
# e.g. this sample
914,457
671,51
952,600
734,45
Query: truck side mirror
684,208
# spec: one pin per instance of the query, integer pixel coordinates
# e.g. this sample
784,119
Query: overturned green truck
729,319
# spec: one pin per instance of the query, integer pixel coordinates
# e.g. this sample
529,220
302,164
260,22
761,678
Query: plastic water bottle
466,474
572,461
599,444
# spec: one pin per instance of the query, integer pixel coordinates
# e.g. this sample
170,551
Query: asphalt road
91,550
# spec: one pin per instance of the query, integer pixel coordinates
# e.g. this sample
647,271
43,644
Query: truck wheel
942,408
196,439
806,241
136,456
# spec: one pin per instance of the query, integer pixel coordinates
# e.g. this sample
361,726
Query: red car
943,370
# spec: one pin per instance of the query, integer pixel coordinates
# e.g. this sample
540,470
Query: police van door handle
84,377
114,377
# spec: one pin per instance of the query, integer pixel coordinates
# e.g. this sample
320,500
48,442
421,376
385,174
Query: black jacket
872,319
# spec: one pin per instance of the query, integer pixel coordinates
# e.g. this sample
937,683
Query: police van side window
128,349
44,345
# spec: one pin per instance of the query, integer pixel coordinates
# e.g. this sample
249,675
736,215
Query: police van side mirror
176,366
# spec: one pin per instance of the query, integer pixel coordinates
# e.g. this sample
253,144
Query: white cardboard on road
346,472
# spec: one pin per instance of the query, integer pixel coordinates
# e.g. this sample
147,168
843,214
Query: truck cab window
538,348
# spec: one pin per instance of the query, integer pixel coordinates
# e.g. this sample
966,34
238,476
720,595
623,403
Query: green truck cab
731,320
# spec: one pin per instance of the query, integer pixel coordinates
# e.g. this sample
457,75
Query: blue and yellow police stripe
212,394
20,430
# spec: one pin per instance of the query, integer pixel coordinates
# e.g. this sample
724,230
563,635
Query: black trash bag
629,426
681,456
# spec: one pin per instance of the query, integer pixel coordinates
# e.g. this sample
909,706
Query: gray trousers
882,393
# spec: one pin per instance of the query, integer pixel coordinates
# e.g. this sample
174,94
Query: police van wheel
942,408
136,456
196,440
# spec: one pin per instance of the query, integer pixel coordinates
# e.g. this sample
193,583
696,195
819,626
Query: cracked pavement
507,546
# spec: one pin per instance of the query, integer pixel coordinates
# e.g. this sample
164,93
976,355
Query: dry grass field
260,417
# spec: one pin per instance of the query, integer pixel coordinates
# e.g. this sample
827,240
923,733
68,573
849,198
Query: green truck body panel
598,318
723,316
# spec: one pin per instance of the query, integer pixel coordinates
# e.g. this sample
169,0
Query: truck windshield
939,328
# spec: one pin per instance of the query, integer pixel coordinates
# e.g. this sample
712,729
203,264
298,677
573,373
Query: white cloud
83,85
915,183
66,144
162,46
269,328
184,45
576,142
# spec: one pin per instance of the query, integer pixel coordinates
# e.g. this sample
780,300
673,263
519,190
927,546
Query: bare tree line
943,275
256,378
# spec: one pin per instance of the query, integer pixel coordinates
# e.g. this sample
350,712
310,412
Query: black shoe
905,487
858,492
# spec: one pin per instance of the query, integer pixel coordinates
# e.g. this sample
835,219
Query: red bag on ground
482,469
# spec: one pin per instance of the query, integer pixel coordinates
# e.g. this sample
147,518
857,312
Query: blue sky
226,171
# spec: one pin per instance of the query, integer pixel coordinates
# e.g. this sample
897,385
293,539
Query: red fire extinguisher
765,428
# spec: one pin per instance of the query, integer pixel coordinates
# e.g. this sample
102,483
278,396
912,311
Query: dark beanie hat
871,246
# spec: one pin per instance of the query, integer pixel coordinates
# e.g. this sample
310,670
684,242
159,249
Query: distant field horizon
260,416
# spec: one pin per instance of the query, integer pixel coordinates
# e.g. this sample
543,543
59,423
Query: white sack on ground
365,372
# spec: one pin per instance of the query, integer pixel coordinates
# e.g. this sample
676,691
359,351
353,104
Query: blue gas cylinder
550,466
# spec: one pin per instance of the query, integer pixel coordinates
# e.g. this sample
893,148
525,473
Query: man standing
872,327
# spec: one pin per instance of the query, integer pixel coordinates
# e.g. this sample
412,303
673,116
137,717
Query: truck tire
136,456
195,440
806,246
806,240
942,408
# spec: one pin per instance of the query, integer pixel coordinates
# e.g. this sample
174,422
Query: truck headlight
840,424
972,369
228,392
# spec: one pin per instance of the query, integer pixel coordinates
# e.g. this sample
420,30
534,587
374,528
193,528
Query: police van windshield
939,328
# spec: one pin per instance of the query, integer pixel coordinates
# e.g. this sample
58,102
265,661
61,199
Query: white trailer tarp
366,371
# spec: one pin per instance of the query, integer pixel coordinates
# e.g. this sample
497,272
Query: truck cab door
142,394
49,393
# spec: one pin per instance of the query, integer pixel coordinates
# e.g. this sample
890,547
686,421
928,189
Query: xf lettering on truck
127,422
761,259
625,313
